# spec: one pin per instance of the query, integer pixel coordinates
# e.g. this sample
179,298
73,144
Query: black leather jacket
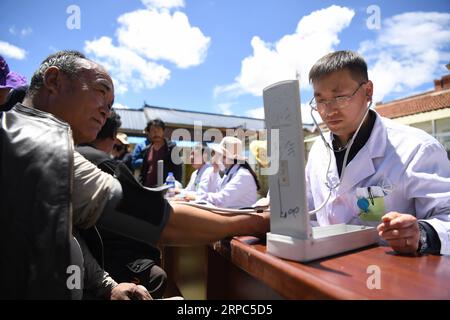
36,177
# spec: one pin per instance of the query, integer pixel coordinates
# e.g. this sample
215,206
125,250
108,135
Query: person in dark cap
13,86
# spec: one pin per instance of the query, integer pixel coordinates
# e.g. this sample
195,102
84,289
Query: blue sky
218,55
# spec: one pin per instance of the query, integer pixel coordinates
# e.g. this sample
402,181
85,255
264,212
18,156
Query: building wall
429,111
436,123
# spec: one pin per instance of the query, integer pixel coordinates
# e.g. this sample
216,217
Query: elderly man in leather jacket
48,188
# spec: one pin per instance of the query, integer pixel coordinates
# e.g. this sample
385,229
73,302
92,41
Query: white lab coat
209,180
413,161
236,190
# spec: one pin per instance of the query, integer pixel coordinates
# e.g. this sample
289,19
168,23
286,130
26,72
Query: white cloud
23,32
225,108
11,51
128,69
316,35
120,106
163,4
146,38
255,113
232,90
26,32
160,35
408,52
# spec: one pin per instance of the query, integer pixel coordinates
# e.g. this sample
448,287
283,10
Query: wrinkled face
342,120
87,101
156,134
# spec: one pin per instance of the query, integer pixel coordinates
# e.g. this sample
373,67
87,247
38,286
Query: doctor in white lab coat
238,187
410,166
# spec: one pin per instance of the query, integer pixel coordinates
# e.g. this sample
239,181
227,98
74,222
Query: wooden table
240,268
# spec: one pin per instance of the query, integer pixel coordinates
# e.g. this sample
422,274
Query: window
426,126
442,125
443,133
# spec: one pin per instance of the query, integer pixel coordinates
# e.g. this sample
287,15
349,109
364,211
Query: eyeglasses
340,102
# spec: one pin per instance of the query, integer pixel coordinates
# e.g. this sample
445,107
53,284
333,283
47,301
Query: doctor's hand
401,231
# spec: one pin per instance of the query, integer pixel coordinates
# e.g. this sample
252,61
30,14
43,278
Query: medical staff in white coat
238,187
205,178
364,151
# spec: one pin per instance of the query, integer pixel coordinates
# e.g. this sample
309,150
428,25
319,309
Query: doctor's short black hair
340,60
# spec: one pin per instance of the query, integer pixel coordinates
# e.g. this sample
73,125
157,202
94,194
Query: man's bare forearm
192,226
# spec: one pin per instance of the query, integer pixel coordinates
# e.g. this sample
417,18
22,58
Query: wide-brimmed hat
122,137
10,79
231,147
259,150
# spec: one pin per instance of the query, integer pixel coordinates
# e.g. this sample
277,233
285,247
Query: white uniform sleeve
191,185
428,176
209,181
239,192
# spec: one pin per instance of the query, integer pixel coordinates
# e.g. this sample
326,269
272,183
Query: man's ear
369,90
52,79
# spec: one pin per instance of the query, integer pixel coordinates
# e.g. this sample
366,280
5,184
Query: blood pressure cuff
143,203
135,211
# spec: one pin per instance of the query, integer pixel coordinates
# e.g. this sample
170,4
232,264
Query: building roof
132,119
412,105
135,120
424,102
210,120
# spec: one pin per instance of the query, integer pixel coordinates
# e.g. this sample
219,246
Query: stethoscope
333,184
